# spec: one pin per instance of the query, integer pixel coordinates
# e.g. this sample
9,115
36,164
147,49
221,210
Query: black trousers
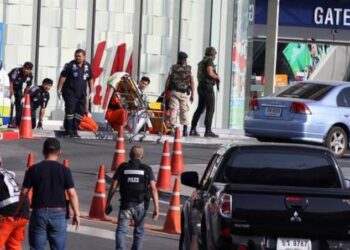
206,101
18,107
33,112
74,111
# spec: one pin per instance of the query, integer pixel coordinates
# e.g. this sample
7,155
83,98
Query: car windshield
310,91
279,168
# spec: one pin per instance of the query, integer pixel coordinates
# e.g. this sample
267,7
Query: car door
200,196
343,103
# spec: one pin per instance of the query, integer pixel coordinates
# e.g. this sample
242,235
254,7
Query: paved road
85,156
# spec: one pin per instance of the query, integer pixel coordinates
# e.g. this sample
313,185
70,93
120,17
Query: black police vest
133,184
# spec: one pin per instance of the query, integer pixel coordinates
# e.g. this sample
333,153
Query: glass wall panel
240,59
17,44
113,45
157,42
63,29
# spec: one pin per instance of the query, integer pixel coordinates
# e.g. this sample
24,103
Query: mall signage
311,13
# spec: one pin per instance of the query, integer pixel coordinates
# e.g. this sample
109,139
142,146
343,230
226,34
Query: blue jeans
46,224
125,215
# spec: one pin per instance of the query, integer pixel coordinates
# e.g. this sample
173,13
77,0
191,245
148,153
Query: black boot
210,133
193,132
184,131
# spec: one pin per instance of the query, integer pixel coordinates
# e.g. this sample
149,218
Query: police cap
28,65
182,55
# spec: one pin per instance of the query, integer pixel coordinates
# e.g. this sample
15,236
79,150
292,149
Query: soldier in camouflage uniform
207,78
180,82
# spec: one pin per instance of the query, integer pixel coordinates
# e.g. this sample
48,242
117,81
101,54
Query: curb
107,135
9,135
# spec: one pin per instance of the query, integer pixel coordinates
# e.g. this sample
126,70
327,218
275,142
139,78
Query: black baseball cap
51,145
28,65
182,55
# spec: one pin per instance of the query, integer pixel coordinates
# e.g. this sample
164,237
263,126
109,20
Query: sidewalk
53,129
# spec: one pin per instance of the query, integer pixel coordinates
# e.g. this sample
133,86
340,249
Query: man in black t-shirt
39,97
12,230
49,180
134,179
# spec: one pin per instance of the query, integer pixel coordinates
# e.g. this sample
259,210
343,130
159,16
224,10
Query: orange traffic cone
98,204
30,160
172,223
66,163
25,129
119,153
177,161
164,175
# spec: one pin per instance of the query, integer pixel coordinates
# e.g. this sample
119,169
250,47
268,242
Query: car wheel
337,141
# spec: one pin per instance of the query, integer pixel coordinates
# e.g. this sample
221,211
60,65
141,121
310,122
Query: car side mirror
190,179
347,183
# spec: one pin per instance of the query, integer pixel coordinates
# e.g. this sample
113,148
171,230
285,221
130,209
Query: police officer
74,80
134,179
39,97
19,76
180,83
207,79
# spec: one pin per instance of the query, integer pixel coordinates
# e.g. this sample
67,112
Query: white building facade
140,36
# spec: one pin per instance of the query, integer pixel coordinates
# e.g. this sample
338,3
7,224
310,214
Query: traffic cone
98,204
119,153
164,175
30,162
172,223
177,161
66,163
25,129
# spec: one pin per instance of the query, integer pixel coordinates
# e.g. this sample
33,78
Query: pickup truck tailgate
281,212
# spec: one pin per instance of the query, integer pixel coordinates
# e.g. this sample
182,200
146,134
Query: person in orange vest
116,115
12,220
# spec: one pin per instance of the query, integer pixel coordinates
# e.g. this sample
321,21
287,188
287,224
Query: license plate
273,111
293,244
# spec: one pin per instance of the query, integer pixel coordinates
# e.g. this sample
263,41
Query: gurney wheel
158,140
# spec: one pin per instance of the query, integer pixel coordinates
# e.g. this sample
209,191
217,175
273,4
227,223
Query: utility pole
271,45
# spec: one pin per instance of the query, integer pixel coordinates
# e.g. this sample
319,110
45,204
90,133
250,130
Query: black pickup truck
270,196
